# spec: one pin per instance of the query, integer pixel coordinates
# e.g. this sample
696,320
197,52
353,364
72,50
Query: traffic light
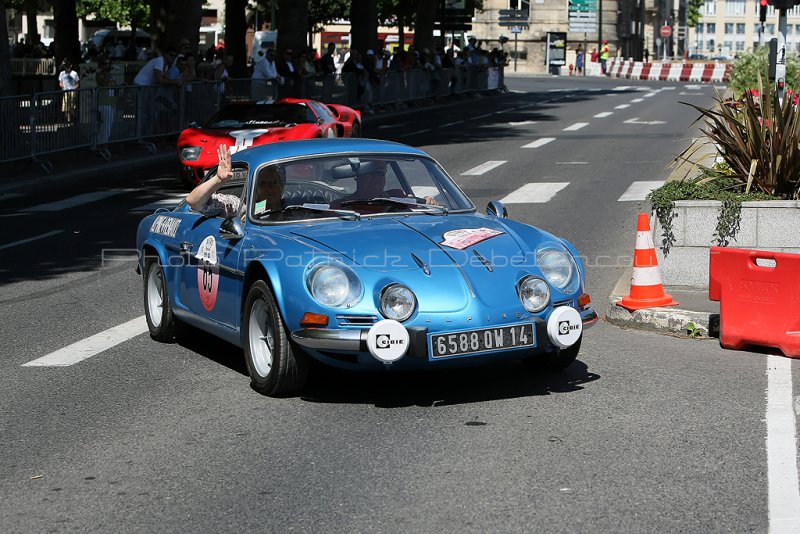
762,11
503,39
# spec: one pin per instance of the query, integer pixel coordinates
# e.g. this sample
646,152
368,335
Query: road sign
682,32
516,29
666,31
582,16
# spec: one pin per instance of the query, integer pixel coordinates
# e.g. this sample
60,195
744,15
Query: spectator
604,52
355,77
106,100
328,71
290,73
155,71
69,82
307,74
579,56
189,71
265,80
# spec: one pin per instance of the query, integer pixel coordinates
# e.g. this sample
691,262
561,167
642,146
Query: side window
419,179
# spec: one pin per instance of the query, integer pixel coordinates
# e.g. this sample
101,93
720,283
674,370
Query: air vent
356,320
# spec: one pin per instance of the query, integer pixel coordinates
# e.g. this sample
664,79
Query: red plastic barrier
646,71
686,72
759,298
664,71
708,70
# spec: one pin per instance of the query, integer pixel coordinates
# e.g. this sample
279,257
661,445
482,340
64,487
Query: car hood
258,135
489,256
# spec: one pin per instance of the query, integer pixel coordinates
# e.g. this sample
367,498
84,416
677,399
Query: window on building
709,8
739,46
727,44
740,28
710,44
728,28
698,28
711,27
523,5
796,28
770,29
735,7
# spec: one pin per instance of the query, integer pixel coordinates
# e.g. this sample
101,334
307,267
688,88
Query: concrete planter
765,225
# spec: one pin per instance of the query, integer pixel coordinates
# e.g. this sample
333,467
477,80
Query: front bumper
354,340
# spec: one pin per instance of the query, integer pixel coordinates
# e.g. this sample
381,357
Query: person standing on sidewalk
604,56
106,100
579,57
69,82
328,72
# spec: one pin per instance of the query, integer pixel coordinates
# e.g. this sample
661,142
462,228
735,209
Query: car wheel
356,131
556,360
157,309
274,367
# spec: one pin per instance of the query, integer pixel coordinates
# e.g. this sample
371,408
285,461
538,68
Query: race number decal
466,237
207,272
244,138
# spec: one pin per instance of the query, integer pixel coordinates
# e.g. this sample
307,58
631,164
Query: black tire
556,360
157,307
356,131
275,368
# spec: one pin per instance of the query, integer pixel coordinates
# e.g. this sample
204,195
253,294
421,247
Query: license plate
483,340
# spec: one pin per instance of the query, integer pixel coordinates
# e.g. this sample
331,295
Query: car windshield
353,187
242,115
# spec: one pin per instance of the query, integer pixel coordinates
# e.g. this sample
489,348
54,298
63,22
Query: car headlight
191,153
398,302
534,293
333,284
559,268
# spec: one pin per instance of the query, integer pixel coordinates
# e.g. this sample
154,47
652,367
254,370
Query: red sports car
243,125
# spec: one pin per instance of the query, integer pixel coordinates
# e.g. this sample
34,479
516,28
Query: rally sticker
466,237
207,272
164,225
244,138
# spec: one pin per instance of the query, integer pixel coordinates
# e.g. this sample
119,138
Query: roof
311,147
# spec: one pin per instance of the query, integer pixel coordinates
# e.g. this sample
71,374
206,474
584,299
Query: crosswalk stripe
29,239
576,126
534,193
539,142
91,346
639,190
482,168
603,115
78,200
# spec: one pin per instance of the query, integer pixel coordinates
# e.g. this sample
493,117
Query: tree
133,13
292,24
693,15
323,12
423,24
65,21
364,24
397,13
235,32
5,54
173,20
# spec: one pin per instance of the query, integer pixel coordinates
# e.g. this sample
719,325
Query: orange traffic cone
647,291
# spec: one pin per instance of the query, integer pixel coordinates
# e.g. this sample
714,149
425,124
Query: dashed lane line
482,116
784,489
572,162
648,95
29,239
482,168
91,346
415,133
447,124
603,115
639,190
78,200
521,123
534,193
576,126
622,106
637,100
539,142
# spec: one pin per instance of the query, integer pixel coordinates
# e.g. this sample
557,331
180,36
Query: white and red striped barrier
671,72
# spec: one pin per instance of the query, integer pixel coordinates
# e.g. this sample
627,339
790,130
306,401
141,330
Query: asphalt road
644,433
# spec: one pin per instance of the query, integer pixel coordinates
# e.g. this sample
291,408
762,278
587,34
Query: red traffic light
763,3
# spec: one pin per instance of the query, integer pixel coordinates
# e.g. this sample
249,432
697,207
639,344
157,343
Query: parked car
242,125
372,258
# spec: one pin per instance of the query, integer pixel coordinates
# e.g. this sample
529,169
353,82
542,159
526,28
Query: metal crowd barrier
27,66
45,123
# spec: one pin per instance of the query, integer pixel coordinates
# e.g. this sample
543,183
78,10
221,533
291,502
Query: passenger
205,199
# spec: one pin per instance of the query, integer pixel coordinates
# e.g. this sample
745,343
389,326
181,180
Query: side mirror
231,229
495,208
320,121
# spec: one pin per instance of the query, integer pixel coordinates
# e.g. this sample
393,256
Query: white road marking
537,193
648,95
415,133
9,196
595,89
445,125
91,346
521,123
639,190
636,120
518,92
667,89
784,490
482,116
622,88
170,202
557,90
382,126
684,93
622,106
482,168
643,88
693,87
603,115
539,142
28,240
576,126
509,110
635,100
78,200
572,162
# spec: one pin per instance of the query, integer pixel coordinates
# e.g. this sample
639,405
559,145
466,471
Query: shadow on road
441,388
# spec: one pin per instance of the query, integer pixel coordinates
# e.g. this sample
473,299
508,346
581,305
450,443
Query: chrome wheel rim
262,338
155,297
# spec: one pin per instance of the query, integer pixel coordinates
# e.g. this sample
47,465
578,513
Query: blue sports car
360,254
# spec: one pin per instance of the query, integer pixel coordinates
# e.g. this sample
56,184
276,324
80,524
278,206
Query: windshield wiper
320,208
408,203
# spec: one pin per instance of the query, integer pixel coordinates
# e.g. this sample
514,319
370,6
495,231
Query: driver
370,183
205,199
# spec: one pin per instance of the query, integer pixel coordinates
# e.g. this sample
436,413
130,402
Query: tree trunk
235,34
364,25
401,33
31,10
423,26
6,87
292,23
173,20
65,25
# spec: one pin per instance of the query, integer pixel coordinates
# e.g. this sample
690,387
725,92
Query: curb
670,321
